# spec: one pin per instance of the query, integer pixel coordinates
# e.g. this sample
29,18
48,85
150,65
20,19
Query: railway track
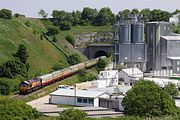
39,93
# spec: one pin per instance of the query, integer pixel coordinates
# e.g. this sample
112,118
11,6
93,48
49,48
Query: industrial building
77,97
129,76
130,48
170,55
154,31
163,48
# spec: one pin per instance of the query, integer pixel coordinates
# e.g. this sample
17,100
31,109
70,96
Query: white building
130,75
162,82
77,97
107,78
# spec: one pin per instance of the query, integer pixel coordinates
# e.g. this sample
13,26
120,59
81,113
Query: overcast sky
30,8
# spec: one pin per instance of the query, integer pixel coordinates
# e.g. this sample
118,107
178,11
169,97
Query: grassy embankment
42,54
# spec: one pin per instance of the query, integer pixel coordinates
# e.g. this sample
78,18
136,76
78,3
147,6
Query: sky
30,8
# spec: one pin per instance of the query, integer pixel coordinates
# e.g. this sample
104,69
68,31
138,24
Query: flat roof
157,22
130,71
113,89
79,93
174,58
171,37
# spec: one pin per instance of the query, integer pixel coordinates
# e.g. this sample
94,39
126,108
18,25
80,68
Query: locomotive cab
23,87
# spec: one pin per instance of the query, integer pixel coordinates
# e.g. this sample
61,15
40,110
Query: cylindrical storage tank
137,33
124,35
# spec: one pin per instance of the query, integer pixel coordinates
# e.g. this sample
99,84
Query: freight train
44,80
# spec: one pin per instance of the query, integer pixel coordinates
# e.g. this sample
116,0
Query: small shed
130,75
77,97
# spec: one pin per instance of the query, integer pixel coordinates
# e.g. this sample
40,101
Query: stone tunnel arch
100,53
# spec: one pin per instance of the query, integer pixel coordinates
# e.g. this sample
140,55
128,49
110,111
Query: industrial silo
137,31
124,31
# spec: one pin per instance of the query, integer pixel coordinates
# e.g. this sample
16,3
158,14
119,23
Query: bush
86,76
65,25
101,64
147,99
54,39
21,53
171,89
15,109
72,114
11,69
73,59
59,66
4,87
52,31
27,23
70,39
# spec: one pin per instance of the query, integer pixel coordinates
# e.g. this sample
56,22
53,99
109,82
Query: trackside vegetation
17,110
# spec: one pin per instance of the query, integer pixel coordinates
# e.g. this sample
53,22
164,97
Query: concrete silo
131,48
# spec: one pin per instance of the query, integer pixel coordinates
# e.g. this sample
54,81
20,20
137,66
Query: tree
65,25
4,87
22,54
88,14
135,11
76,17
158,15
146,14
125,13
147,99
52,31
171,89
11,69
73,59
42,13
101,64
6,14
105,17
70,39
12,109
86,76
72,114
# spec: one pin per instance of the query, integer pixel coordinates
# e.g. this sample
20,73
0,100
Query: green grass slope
42,55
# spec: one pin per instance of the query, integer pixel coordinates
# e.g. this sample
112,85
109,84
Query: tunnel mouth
100,53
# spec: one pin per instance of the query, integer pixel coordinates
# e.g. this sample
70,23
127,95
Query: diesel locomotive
44,80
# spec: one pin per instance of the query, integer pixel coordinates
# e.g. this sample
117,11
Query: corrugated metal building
153,33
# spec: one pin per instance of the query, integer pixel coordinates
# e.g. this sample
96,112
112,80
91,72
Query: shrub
101,64
52,31
11,69
16,109
54,39
70,39
72,114
4,87
65,25
21,53
86,76
73,59
171,89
